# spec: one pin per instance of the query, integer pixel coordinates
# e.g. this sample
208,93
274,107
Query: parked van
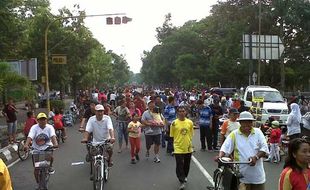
274,104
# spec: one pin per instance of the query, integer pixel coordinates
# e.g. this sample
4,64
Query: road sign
59,59
263,47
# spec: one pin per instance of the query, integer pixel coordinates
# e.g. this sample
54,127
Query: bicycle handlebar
226,160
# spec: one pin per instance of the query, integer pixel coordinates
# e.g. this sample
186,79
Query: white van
274,104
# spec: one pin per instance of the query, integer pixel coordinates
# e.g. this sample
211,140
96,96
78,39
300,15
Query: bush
57,104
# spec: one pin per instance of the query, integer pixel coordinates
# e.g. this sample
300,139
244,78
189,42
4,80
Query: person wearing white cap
101,127
247,143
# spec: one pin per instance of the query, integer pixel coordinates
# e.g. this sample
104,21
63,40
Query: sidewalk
8,153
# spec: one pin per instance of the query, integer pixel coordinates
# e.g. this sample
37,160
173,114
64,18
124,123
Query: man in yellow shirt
5,179
182,131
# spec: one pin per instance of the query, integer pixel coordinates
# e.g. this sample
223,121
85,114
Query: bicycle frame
98,164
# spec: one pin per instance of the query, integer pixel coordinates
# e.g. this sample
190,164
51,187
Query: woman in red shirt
296,172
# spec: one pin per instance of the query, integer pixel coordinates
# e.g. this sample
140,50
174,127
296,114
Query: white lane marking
204,172
12,164
77,163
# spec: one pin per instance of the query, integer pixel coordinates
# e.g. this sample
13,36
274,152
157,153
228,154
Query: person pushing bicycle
247,144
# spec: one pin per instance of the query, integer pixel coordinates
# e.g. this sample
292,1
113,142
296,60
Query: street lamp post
259,45
46,50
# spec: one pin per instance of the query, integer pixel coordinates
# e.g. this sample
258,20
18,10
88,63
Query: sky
139,35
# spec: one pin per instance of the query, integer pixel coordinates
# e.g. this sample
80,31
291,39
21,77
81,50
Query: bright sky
133,38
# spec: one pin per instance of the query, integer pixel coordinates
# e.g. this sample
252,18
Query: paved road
145,175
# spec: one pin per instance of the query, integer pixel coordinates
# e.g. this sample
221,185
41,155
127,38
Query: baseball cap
233,110
246,116
41,115
99,107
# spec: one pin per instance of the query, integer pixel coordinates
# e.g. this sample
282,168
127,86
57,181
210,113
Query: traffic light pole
46,50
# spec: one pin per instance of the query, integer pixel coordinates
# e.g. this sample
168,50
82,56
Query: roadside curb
9,154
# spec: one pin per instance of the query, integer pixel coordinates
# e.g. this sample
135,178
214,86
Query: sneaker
267,160
147,154
133,161
156,160
216,149
182,186
185,180
51,170
137,157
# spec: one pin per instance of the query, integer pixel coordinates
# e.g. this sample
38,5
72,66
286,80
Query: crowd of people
168,118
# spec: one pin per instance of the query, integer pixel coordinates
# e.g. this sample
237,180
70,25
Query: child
274,140
230,124
134,132
31,120
59,124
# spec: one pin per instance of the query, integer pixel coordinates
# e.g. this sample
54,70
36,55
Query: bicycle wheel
22,154
218,180
98,182
106,170
42,179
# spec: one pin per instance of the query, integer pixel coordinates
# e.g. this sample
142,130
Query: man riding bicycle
101,127
42,136
247,143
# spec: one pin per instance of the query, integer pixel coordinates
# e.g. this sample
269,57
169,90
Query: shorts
12,127
152,139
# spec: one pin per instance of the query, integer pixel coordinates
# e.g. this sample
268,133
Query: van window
269,96
249,96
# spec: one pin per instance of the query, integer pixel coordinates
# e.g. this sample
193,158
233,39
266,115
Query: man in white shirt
247,143
102,128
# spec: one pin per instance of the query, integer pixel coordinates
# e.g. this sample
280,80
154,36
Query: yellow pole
46,69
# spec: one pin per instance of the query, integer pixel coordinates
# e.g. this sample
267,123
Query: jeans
122,131
183,162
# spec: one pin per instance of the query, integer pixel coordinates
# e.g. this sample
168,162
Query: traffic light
126,19
118,20
109,20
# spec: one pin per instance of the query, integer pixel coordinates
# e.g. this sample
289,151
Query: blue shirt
170,113
205,115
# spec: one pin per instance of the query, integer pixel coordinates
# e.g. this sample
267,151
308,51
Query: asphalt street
145,175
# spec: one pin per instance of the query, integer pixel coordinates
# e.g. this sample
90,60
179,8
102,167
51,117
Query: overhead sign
263,47
59,59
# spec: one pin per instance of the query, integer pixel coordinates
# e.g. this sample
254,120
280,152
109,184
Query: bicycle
59,135
227,175
41,162
21,152
99,163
